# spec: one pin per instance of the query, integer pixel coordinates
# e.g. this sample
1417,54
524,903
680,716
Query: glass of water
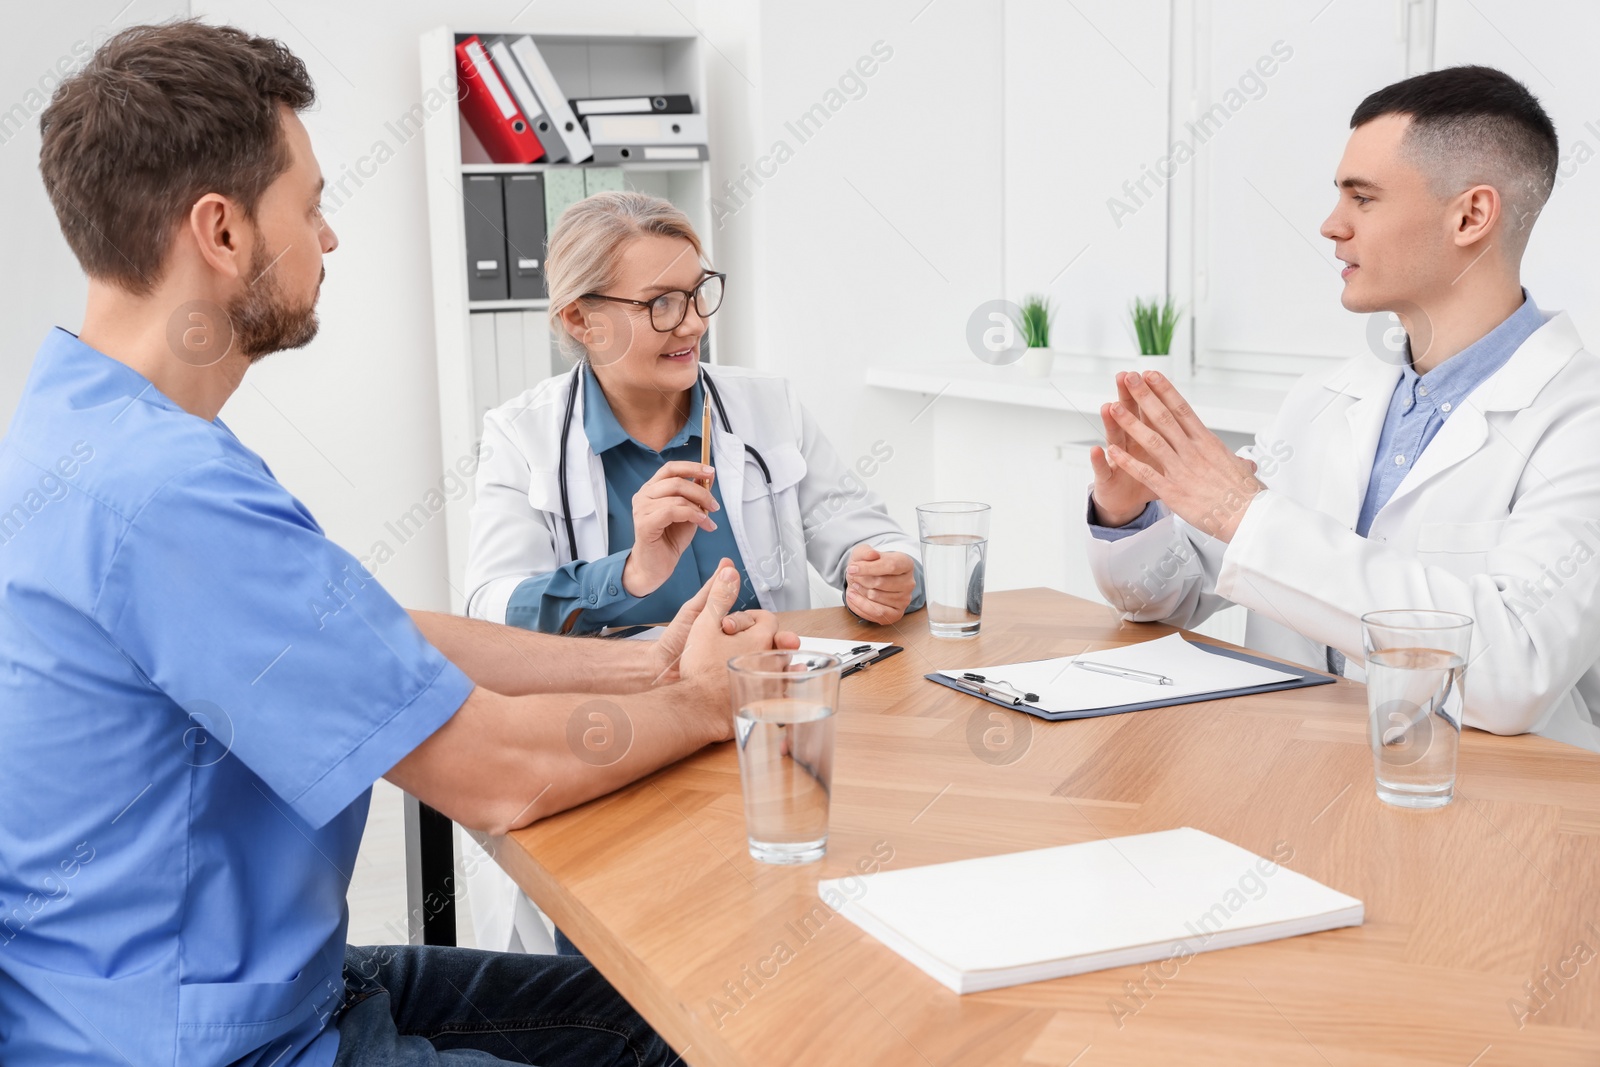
783,705
1415,666
955,541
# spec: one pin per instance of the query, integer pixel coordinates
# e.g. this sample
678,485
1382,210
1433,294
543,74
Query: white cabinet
510,351
1032,468
1263,100
1188,148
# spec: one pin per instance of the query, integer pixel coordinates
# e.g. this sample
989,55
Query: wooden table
734,963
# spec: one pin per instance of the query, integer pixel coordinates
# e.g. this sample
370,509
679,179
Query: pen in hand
705,439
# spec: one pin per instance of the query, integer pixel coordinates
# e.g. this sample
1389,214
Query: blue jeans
412,1005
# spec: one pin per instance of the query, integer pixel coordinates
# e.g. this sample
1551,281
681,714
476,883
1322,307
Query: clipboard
853,655
865,660
1303,679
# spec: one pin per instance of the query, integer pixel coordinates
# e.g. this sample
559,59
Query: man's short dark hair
1475,125
160,116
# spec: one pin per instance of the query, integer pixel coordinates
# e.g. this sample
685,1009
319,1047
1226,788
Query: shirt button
1399,461
1423,389
612,590
1445,406
593,599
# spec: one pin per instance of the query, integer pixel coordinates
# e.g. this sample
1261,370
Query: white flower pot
1167,365
1038,362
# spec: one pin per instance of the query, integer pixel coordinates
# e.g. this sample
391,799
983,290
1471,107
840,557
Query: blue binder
1303,679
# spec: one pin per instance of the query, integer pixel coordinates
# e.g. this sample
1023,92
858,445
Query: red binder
490,109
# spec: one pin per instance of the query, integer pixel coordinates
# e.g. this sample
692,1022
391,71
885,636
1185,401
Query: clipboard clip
858,658
997,687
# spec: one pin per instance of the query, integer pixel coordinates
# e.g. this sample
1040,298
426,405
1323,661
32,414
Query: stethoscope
715,399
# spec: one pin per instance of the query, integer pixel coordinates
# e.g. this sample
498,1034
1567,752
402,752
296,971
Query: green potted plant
1153,324
1033,319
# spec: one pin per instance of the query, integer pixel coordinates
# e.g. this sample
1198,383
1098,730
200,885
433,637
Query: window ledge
1226,400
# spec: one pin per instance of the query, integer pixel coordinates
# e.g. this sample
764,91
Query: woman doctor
586,513
593,509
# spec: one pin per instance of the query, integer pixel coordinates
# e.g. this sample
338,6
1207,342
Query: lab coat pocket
786,466
544,492
766,510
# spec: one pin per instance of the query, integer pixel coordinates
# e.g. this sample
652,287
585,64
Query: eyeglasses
668,310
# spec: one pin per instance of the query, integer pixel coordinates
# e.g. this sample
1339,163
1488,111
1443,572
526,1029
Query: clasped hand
706,633
1158,449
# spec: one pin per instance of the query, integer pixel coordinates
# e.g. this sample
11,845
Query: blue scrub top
594,587
197,692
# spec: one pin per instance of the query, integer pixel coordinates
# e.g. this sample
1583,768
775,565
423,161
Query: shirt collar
93,377
600,425
1454,379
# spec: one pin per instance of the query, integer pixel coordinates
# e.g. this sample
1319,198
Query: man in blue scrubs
198,688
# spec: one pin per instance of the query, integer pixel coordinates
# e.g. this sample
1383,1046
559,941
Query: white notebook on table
1030,916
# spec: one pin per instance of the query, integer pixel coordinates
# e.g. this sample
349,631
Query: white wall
1088,74
40,284
1548,46
882,232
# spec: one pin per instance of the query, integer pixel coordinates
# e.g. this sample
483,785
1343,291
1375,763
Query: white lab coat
824,509
1499,520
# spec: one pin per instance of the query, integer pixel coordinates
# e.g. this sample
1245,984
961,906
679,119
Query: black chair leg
430,875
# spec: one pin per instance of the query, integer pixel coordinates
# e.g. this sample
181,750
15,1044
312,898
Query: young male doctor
1461,477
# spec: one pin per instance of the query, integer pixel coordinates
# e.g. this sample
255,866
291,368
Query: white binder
646,129
562,119
649,153
554,147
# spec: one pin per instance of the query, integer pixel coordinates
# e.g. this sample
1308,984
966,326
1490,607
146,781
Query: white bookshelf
489,351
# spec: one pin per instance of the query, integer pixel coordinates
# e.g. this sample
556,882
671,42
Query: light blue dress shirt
197,691
594,587
1420,404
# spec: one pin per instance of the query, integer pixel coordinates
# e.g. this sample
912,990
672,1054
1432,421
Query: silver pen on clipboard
1123,672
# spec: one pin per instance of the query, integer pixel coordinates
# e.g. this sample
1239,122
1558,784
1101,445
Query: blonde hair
586,247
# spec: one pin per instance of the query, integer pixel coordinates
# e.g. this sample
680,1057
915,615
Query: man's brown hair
159,117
